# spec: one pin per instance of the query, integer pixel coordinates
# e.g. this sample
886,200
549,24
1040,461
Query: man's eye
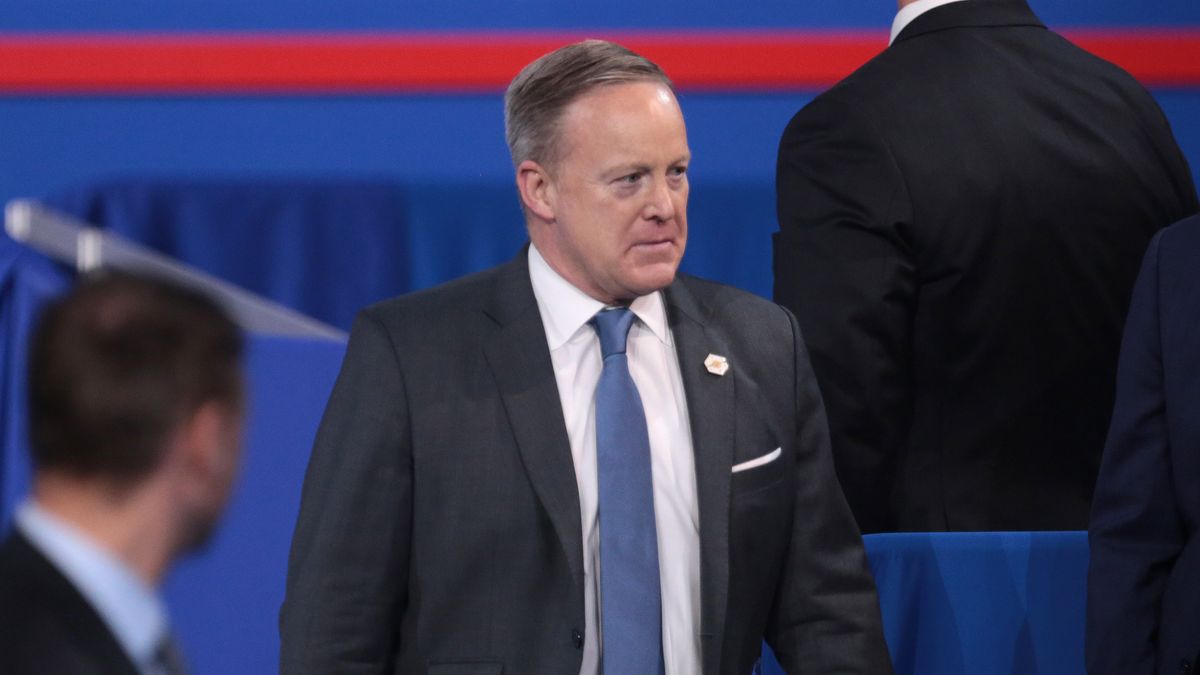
678,171
631,179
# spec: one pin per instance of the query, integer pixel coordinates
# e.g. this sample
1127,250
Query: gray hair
536,98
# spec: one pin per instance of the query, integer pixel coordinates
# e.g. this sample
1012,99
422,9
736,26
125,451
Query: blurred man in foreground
135,399
579,461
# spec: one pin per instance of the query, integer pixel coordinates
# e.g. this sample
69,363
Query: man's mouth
655,245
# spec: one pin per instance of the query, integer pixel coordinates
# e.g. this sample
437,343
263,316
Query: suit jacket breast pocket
762,500
759,473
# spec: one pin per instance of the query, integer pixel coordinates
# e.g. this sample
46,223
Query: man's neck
908,12
127,524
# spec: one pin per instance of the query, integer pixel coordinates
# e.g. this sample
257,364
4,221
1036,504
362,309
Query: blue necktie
631,603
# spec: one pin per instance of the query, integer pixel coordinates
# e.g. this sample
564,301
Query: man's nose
660,204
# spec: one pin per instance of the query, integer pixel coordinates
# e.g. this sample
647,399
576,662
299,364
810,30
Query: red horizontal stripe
1156,57
399,63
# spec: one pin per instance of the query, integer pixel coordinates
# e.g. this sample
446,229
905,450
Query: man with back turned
961,221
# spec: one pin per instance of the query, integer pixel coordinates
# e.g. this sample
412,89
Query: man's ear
536,189
204,439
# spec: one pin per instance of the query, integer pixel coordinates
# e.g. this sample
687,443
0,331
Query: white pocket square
758,461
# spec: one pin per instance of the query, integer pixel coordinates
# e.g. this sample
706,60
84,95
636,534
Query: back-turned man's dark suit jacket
961,221
46,625
439,529
1143,612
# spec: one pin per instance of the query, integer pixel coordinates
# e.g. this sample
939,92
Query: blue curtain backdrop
27,279
328,248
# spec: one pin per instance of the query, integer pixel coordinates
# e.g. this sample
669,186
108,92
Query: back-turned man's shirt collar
566,309
129,607
908,13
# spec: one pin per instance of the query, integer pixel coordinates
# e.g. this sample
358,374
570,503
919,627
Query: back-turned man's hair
536,98
117,364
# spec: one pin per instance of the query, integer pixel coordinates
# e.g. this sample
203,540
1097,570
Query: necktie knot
612,325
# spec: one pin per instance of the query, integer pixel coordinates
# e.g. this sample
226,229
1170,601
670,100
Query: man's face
618,193
222,441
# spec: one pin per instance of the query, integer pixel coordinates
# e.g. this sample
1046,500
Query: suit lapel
520,361
710,401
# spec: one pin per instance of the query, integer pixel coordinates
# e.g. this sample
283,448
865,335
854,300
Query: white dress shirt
909,12
654,366
129,607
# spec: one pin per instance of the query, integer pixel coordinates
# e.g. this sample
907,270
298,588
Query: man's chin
199,534
655,278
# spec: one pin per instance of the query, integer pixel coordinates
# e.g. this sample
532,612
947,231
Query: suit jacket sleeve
1136,531
348,570
844,266
826,617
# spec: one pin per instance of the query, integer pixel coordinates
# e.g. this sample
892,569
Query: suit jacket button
1184,667
577,638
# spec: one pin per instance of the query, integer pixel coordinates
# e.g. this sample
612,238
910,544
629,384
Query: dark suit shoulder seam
797,346
370,314
855,113
711,296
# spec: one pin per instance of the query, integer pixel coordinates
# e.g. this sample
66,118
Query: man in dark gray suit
579,461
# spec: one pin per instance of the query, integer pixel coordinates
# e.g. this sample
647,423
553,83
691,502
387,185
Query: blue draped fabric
323,248
328,248
27,279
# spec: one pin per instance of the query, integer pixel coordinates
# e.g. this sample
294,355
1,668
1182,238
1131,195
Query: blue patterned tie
631,604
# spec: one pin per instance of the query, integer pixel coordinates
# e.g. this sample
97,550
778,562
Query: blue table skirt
984,603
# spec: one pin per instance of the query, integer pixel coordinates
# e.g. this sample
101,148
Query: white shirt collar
565,309
130,608
909,12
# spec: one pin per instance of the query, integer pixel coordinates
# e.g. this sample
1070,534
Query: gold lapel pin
716,364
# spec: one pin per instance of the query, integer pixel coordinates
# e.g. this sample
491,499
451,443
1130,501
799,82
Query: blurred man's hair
536,98
117,365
